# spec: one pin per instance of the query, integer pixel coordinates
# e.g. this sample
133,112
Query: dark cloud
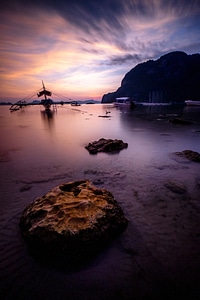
107,20
131,59
105,17
91,12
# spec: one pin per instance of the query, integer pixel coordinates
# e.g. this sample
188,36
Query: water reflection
192,113
156,110
163,224
48,117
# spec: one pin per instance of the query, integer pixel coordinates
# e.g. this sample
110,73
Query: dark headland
174,77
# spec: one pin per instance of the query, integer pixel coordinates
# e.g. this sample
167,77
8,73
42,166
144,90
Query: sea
158,255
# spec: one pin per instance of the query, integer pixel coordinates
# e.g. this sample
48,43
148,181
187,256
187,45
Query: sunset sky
83,49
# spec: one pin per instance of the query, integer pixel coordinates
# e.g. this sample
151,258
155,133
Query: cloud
70,41
107,20
91,14
127,58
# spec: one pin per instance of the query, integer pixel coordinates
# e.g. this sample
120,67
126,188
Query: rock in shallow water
189,154
106,145
180,121
176,187
71,222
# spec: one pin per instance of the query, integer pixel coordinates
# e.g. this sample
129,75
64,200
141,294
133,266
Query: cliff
174,77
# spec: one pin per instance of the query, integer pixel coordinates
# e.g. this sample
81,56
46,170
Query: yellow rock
74,215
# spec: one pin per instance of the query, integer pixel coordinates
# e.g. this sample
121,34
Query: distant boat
75,103
192,102
126,102
46,102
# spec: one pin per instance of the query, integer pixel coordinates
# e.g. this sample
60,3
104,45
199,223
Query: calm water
158,255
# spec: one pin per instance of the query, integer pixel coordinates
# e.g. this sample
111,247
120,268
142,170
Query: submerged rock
106,145
72,222
103,116
189,154
176,187
180,121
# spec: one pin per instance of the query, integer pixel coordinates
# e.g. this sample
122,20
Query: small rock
5,157
180,121
26,187
189,154
98,182
106,145
103,116
93,172
176,187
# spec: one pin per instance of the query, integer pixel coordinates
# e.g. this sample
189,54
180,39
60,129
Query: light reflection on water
35,139
39,151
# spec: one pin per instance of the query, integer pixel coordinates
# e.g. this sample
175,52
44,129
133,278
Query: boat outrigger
46,102
18,105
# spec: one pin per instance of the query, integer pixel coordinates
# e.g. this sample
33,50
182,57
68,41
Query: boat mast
45,96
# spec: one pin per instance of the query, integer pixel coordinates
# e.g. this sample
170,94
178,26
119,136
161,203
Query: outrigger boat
46,102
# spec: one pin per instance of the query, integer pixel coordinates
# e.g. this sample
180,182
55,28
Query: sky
82,49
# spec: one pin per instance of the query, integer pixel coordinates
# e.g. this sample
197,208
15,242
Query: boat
18,105
46,102
126,102
192,102
75,103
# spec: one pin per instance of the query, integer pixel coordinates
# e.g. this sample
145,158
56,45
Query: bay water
157,256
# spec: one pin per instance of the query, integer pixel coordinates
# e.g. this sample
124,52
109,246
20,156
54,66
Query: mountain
174,77
5,103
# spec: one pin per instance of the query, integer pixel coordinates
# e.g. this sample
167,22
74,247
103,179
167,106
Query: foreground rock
71,223
106,145
189,154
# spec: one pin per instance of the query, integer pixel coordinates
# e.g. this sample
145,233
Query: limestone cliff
174,77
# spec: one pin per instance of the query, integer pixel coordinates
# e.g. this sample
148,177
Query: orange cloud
84,52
